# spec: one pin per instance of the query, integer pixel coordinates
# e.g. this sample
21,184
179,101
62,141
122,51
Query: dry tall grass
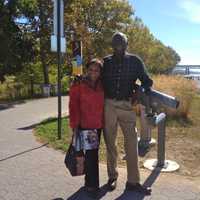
181,88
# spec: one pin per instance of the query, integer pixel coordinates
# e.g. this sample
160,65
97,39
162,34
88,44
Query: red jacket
86,106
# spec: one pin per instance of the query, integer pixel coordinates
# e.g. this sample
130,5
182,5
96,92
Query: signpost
58,45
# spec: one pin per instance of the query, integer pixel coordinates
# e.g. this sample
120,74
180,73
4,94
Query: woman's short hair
96,62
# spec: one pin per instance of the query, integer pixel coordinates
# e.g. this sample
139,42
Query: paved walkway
30,171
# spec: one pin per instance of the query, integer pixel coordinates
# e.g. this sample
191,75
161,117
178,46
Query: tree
25,28
14,42
40,19
95,21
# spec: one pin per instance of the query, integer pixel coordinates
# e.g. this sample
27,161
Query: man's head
119,43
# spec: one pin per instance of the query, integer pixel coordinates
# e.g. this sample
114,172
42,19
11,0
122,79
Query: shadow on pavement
127,195
79,195
130,196
32,126
28,127
152,177
18,154
82,195
4,106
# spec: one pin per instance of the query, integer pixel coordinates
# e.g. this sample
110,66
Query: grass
184,90
46,132
189,126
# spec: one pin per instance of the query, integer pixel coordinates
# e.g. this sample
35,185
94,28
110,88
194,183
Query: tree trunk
44,65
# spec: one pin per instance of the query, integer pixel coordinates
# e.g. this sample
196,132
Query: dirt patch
182,146
183,150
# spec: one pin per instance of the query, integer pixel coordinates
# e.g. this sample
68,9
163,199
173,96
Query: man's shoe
112,184
138,188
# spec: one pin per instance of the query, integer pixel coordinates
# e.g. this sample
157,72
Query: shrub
65,85
12,89
2,91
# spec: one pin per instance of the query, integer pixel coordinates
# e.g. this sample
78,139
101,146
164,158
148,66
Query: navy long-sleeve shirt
120,75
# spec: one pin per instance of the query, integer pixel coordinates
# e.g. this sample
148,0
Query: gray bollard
160,121
160,162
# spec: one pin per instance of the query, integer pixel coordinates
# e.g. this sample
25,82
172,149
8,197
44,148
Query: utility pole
59,71
58,45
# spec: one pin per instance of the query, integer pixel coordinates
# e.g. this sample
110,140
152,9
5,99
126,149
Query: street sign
55,15
54,44
55,27
77,58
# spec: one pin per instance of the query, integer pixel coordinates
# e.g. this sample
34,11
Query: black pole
59,68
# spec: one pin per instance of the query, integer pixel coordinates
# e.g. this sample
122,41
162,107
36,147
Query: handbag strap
76,140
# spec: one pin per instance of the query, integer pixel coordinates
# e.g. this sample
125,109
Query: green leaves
94,22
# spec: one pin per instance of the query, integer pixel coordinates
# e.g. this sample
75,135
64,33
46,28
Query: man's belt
120,98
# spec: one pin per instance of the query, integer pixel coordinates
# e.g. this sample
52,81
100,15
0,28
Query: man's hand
147,91
134,99
74,135
75,130
76,79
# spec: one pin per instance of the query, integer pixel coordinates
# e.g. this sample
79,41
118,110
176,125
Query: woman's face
93,72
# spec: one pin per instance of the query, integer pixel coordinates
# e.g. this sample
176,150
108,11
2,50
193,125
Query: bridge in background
188,71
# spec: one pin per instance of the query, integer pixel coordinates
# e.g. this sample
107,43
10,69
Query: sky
176,23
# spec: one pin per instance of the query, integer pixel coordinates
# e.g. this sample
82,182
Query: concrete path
32,171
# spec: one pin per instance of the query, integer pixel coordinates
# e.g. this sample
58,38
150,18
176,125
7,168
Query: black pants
92,167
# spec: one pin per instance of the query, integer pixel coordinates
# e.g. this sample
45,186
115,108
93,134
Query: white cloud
191,10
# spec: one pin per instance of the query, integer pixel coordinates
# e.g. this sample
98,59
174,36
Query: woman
86,113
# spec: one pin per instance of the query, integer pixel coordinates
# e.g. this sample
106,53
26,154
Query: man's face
119,45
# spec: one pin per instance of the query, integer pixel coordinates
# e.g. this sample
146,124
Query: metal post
160,163
161,143
59,67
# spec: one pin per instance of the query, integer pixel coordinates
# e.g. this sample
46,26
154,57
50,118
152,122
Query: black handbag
75,161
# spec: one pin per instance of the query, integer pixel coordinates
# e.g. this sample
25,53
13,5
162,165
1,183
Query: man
120,72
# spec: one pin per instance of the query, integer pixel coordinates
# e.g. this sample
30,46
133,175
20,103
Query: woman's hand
74,135
74,130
